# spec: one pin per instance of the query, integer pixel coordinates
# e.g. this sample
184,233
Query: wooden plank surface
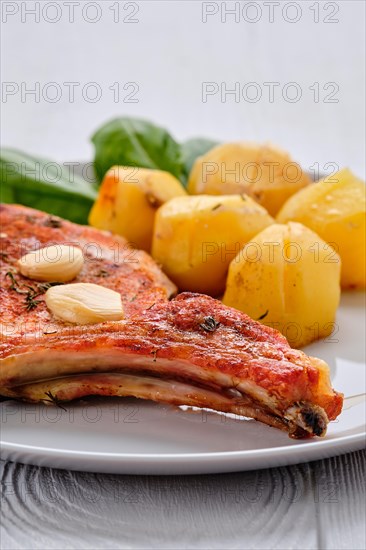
320,505
341,501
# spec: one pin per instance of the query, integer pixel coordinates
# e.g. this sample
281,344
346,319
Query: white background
169,53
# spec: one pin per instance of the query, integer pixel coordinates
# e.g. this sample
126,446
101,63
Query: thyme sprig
41,288
30,292
54,400
30,302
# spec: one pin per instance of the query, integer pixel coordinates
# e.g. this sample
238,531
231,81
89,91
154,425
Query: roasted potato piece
335,208
128,199
264,172
287,277
195,238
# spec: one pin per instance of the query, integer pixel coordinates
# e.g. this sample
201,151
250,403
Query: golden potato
195,238
128,199
287,277
335,208
264,172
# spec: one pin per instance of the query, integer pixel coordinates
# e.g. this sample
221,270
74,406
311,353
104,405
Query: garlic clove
84,303
55,263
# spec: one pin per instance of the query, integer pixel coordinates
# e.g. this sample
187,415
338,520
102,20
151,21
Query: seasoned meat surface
191,350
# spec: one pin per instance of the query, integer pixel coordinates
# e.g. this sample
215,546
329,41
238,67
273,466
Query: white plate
136,437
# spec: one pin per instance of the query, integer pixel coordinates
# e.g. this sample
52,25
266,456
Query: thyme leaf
263,315
103,273
53,222
209,324
14,283
43,287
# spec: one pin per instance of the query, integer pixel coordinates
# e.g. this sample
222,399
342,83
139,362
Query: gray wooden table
316,505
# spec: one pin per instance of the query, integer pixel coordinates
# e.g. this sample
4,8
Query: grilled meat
191,350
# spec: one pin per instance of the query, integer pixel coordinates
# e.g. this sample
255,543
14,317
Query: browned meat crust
191,350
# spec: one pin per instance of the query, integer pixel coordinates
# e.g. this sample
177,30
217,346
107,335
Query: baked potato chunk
195,238
264,172
287,277
335,208
128,199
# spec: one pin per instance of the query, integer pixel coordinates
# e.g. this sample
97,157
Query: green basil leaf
133,142
193,148
44,185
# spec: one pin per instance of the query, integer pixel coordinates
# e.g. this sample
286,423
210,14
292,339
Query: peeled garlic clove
84,303
56,263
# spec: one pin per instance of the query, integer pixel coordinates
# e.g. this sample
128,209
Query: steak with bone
190,350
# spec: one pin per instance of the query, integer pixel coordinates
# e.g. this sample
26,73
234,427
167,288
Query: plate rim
325,444
181,462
